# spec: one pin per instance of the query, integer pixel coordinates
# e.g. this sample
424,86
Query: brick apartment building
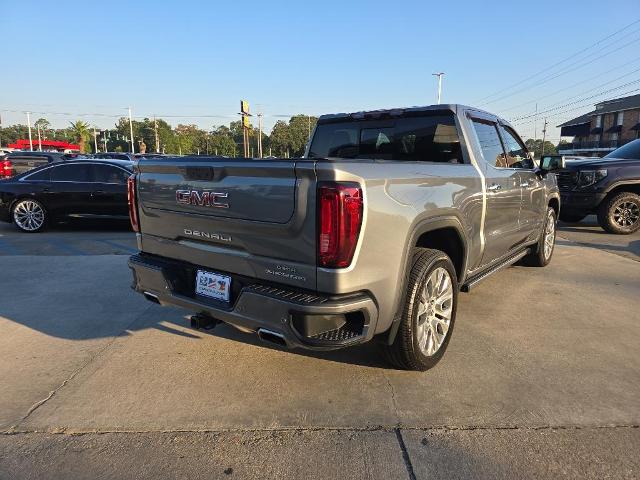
612,124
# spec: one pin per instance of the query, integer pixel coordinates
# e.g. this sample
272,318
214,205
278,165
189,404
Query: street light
439,75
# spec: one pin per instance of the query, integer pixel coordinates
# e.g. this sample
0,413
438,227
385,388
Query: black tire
20,209
566,217
405,352
620,213
541,257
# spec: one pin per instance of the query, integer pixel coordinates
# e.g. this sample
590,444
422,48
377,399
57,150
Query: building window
620,118
599,121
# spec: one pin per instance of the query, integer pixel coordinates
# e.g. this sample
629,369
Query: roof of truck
452,107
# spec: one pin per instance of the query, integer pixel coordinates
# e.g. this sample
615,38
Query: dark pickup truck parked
608,187
371,234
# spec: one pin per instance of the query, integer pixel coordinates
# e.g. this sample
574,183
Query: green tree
80,133
300,128
279,139
44,125
535,146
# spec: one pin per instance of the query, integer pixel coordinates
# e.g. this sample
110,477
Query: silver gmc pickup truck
371,234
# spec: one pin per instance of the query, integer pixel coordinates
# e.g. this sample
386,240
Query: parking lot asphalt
541,380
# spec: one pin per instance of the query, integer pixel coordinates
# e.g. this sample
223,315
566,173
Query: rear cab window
424,138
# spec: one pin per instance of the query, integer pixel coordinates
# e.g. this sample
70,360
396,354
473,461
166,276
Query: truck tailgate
245,216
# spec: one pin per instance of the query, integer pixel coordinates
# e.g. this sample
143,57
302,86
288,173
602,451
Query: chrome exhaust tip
269,336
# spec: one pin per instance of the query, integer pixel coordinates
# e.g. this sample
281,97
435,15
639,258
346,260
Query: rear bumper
256,306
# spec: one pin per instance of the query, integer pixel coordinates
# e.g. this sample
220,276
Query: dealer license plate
213,285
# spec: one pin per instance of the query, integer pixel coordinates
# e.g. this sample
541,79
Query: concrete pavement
539,357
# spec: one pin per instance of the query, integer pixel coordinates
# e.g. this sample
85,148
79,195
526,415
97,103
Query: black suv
608,187
18,162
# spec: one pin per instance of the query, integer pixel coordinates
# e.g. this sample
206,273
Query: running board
472,282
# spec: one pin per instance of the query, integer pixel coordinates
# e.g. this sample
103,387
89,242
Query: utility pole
133,147
104,140
39,138
439,75
29,125
155,127
244,115
544,136
260,135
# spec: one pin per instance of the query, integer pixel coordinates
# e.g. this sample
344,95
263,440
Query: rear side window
42,175
490,143
71,173
427,139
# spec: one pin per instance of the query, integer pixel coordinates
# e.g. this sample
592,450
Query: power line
535,100
563,72
515,123
577,101
560,62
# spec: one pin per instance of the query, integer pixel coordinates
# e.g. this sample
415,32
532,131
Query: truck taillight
133,203
6,169
339,220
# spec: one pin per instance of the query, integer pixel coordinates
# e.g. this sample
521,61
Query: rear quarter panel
399,198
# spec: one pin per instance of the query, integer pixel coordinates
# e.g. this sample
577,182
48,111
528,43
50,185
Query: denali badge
204,199
213,236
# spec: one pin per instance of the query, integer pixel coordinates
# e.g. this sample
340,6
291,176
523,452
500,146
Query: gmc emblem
204,199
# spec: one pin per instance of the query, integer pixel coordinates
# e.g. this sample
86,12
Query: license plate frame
213,285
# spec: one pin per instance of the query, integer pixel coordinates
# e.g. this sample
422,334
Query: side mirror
552,163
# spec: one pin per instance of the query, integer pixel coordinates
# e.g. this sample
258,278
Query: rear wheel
429,312
29,215
620,213
546,244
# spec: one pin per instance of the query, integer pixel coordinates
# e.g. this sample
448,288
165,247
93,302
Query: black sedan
80,189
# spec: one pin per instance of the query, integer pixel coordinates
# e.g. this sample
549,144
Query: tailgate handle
199,173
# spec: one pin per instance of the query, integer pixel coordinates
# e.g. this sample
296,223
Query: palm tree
80,132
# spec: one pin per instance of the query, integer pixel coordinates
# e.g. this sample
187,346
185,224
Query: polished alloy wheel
434,311
626,214
549,236
28,215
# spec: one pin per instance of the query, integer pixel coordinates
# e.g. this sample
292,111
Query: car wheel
546,244
620,213
29,215
565,217
429,312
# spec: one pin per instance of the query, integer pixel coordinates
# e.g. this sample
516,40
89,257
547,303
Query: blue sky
192,59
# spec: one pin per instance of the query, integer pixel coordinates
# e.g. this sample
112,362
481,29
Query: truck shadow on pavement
366,355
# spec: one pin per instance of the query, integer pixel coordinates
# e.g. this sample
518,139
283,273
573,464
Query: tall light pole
439,75
133,146
29,125
39,137
95,140
260,135
155,127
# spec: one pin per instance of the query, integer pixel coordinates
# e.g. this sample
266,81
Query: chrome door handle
495,187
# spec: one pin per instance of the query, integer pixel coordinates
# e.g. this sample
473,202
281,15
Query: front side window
490,143
109,174
517,155
71,173
432,138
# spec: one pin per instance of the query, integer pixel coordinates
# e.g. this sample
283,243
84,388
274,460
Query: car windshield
629,151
